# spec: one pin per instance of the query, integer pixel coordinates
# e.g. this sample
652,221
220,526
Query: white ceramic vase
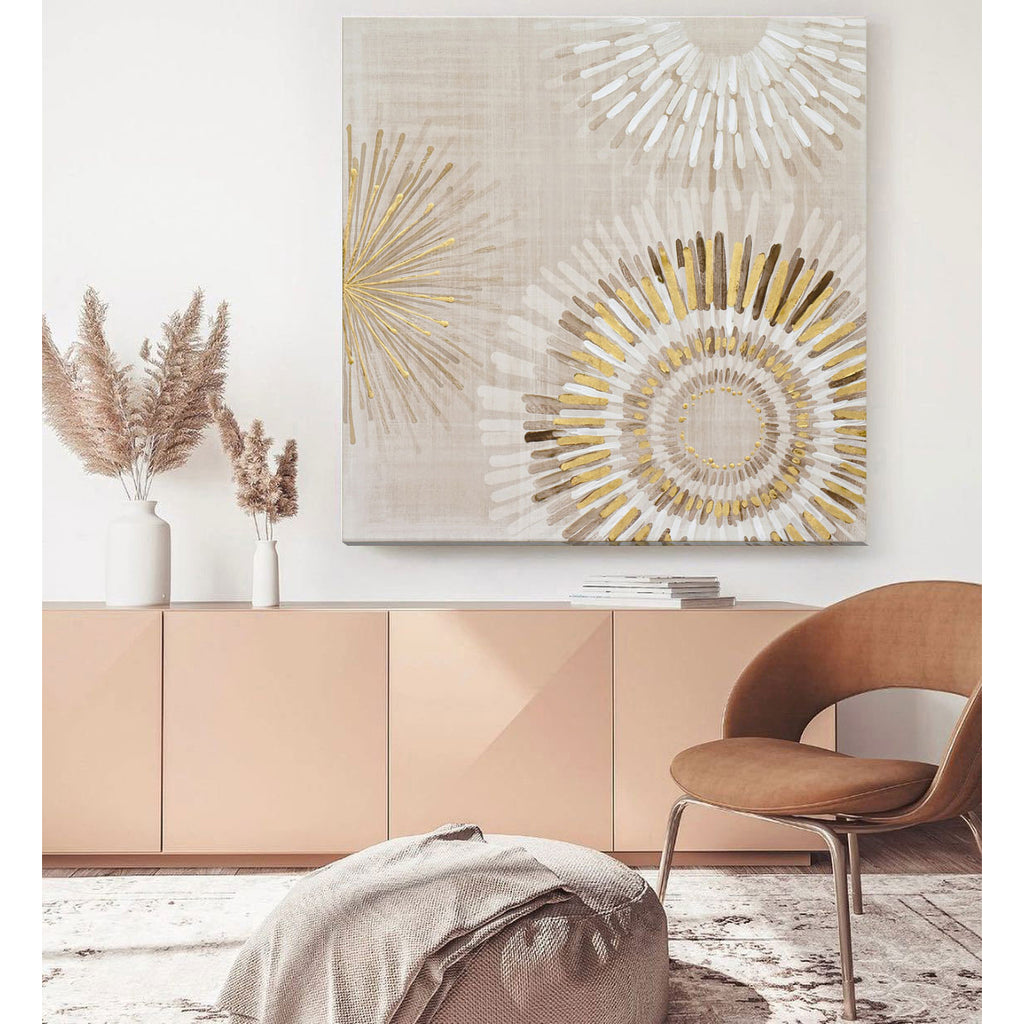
138,558
266,581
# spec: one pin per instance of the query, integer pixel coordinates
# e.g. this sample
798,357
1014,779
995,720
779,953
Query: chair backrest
921,635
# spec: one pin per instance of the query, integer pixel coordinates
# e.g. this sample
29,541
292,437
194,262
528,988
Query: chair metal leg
855,890
973,820
671,831
837,852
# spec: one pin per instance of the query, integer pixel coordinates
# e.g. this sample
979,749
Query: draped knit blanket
381,936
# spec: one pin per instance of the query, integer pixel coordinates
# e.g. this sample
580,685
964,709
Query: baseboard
189,860
716,858
637,859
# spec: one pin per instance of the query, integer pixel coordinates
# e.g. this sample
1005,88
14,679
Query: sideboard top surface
236,606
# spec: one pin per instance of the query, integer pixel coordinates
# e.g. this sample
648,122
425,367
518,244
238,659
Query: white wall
200,143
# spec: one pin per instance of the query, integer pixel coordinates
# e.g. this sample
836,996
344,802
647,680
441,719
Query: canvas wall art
604,280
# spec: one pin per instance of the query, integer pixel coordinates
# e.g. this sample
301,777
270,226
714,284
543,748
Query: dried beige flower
266,496
63,411
287,491
119,427
104,395
230,432
180,419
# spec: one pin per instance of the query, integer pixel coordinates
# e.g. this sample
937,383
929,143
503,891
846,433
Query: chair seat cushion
770,776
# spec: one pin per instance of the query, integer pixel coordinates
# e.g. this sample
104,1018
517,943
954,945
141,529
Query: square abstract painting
604,280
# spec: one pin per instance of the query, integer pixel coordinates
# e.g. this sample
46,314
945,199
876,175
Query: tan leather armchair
921,635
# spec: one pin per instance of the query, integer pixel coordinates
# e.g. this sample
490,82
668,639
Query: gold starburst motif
414,240
743,98
705,382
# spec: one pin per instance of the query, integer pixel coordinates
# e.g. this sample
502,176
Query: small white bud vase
266,581
138,558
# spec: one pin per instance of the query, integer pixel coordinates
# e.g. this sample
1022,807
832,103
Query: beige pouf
453,927
600,958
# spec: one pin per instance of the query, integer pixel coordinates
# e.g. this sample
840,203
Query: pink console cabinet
503,718
275,731
220,734
101,731
673,674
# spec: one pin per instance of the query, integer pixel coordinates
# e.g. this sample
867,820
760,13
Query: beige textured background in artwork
535,112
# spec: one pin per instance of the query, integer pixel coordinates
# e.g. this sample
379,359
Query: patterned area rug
745,949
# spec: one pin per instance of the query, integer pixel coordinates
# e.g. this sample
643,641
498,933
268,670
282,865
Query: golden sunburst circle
703,387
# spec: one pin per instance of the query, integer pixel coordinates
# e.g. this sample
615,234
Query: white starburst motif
696,376
738,97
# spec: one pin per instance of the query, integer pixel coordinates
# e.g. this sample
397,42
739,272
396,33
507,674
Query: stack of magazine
651,592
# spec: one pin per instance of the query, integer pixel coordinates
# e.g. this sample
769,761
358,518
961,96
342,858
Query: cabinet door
673,675
503,719
101,731
274,731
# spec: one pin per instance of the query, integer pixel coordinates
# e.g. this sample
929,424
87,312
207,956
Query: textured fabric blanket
381,936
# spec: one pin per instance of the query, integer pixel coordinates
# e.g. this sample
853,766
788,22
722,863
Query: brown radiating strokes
711,389
414,244
722,101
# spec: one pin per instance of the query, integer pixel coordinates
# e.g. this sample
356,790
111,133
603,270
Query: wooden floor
944,849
